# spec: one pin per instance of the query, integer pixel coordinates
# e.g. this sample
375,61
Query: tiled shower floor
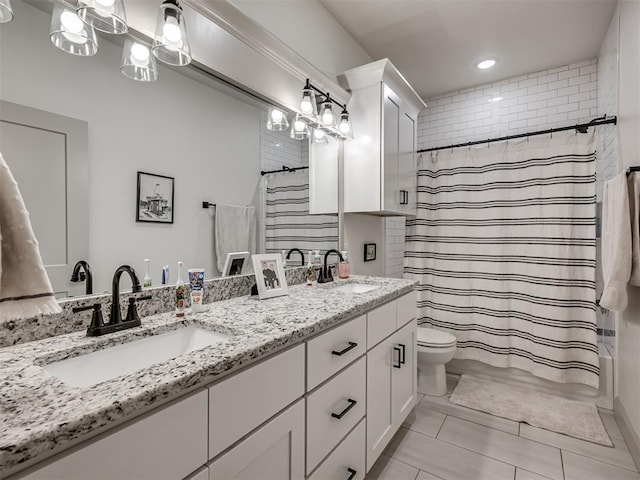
441,440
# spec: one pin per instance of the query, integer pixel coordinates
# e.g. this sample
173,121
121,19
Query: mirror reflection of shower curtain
288,223
503,248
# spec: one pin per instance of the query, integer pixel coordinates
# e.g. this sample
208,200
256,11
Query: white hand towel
25,290
235,231
616,243
633,181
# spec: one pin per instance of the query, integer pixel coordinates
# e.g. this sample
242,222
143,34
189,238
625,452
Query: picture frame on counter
236,263
155,198
270,278
369,252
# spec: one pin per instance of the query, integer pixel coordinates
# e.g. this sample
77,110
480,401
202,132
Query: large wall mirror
208,136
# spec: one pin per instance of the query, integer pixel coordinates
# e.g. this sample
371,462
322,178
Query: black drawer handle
402,355
351,346
352,473
399,365
352,403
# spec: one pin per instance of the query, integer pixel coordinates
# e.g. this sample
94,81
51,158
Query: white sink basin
354,288
112,362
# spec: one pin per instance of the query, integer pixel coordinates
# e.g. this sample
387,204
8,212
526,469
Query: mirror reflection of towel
235,231
633,182
25,289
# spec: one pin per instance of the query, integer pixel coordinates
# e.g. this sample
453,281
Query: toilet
435,348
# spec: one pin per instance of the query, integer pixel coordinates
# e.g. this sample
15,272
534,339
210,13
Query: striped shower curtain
288,223
503,248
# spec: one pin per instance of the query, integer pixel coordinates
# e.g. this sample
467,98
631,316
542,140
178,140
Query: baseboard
630,436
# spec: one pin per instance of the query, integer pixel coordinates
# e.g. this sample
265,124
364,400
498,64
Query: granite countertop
38,412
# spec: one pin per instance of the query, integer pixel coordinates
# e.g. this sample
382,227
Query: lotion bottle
310,270
146,282
180,293
344,267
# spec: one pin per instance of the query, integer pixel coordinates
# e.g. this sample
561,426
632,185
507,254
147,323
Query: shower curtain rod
283,169
582,128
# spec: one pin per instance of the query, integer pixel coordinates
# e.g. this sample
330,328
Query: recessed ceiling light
484,64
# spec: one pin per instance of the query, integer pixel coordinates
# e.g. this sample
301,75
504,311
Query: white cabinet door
404,382
407,163
169,444
380,415
390,139
275,451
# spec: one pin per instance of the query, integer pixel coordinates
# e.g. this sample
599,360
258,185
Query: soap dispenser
343,266
310,270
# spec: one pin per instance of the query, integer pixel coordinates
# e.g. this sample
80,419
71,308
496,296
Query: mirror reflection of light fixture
105,15
319,136
137,62
70,34
170,43
6,12
327,117
299,129
308,105
344,124
277,120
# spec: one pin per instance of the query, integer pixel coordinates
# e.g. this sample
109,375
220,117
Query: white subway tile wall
394,246
550,98
607,163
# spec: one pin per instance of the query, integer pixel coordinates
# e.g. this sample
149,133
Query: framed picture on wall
154,199
270,278
369,252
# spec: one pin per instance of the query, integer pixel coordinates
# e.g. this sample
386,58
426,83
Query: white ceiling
436,43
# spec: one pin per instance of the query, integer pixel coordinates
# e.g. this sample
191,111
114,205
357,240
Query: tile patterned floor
443,441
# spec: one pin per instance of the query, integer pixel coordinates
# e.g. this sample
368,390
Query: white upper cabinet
380,161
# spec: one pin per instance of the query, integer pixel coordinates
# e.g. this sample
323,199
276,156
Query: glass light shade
137,62
344,124
70,34
327,118
6,12
107,16
299,129
319,136
170,43
277,120
308,104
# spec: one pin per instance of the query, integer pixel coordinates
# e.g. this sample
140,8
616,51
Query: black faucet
296,250
325,273
116,316
78,276
97,326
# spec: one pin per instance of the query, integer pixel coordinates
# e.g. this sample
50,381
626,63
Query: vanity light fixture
70,34
319,136
486,64
308,104
137,62
327,118
6,12
108,16
344,124
277,120
170,43
299,129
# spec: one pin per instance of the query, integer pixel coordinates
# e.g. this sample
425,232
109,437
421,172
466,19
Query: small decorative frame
235,264
269,273
369,252
154,198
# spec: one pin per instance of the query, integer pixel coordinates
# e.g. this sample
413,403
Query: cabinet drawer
241,403
344,397
407,308
330,352
381,323
170,443
346,459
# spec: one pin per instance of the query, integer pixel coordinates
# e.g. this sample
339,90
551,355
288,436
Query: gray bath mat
569,417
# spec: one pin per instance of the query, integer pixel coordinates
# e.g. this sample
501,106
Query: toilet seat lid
430,337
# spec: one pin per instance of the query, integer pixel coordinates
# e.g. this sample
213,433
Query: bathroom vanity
312,385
